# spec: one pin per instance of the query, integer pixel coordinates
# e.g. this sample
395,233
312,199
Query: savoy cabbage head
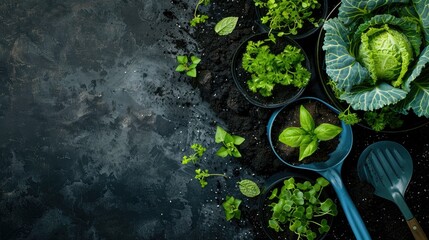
376,52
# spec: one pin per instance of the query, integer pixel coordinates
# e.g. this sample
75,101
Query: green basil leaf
305,119
238,140
222,152
181,68
192,72
292,136
249,188
326,131
182,59
226,25
195,60
307,149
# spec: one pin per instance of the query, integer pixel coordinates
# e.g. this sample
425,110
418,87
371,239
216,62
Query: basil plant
376,52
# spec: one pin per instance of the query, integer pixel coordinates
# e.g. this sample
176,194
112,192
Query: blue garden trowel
388,167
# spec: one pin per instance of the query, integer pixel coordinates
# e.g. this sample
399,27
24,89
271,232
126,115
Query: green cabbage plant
376,52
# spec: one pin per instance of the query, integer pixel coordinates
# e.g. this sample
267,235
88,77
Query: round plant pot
411,121
288,116
276,181
307,30
281,95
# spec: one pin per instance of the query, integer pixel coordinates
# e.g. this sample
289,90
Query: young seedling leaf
326,131
192,72
307,149
182,59
226,25
220,134
292,136
249,188
181,68
195,60
306,120
222,152
238,140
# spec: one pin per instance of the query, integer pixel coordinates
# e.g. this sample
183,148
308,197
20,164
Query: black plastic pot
308,28
276,181
282,95
411,121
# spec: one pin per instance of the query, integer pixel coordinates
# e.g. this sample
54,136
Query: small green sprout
198,152
185,66
201,175
299,205
348,117
230,143
307,136
199,18
231,207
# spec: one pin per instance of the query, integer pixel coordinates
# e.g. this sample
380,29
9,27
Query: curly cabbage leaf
422,9
369,98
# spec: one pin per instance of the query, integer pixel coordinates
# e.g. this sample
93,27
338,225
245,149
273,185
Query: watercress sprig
230,143
189,67
198,152
199,18
231,207
201,175
307,136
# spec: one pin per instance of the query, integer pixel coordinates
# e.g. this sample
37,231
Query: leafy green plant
198,152
268,69
230,143
299,207
378,120
201,175
349,117
249,188
226,25
288,16
307,136
231,207
189,67
199,18
376,53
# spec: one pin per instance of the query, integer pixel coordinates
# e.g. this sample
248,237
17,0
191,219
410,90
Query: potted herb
270,74
295,18
375,62
305,131
296,206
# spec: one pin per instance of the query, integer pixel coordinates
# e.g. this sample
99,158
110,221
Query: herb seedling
185,66
349,117
201,175
268,69
230,143
307,136
300,207
199,18
288,16
378,120
231,207
249,188
198,152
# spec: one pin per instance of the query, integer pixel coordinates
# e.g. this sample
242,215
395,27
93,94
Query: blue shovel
388,167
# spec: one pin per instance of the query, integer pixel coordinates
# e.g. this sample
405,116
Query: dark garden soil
383,219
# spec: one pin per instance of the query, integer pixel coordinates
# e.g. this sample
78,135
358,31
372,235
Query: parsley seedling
199,18
231,207
201,175
198,152
185,66
348,117
230,143
307,136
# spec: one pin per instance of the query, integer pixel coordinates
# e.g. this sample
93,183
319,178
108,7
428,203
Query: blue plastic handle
333,175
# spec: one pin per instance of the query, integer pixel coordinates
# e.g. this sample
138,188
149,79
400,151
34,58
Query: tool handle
352,214
417,231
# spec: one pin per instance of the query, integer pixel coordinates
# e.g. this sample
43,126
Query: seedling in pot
268,69
201,175
231,207
230,143
198,152
300,208
307,136
189,67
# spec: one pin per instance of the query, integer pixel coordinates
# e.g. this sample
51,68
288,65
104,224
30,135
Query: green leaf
307,149
326,131
249,188
236,153
182,59
292,136
222,152
195,60
220,134
273,193
192,72
181,68
238,140
306,120
322,181
226,25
